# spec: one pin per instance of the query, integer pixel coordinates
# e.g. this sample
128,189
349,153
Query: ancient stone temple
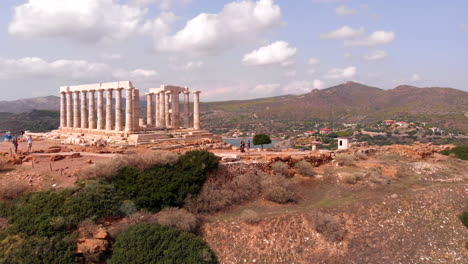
111,112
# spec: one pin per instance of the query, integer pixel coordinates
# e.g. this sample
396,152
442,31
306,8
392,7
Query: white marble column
109,110
84,109
175,117
118,110
129,110
76,110
167,105
69,109
136,109
100,110
92,109
63,110
196,110
149,109
186,109
162,110
156,110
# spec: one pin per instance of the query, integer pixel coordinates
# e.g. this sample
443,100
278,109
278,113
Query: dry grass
13,190
4,165
108,169
280,167
360,156
277,189
178,218
305,168
345,159
330,226
250,216
350,178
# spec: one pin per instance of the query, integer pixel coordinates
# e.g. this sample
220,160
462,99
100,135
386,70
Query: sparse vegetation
345,159
145,243
13,190
459,152
280,168
464,218
305,168
178,218
329,226
276,189
350,178
250,216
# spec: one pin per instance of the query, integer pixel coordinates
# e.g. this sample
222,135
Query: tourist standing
15,144
248,147
242,146
30,141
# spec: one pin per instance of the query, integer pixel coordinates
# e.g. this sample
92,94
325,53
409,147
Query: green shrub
38,250
464,218
148,244
305,168
165,185
460,152
261,139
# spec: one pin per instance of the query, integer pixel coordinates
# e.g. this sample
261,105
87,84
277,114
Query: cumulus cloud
374,39
415,77
318,84
160,26
344,11
209,33
297,87
275,53
162,4
345,73
313,61
376,55
344,32
193,65
84,20
142,75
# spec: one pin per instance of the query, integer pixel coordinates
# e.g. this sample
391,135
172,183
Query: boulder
56,158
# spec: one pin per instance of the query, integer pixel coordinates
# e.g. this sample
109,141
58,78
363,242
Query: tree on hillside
261,139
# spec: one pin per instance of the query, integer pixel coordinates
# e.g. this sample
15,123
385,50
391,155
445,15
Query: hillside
27,105
35,121
346,103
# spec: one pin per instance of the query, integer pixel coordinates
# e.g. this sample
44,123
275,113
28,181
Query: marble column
118,110
84,109
76,110
92,109
69,109
109,110
196,110
167,113
63,110
162,110
157,110
100,110
136,109
129,110
175,118
149,109
186,109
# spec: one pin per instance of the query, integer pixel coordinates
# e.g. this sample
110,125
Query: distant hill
35,121
350,102
27,105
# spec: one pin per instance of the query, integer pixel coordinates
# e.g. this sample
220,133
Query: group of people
15,140
244,147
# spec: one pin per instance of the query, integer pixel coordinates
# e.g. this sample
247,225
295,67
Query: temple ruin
97,112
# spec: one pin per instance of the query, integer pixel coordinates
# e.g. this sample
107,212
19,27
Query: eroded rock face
93,243
417,150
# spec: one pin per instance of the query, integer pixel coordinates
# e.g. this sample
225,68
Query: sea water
236,142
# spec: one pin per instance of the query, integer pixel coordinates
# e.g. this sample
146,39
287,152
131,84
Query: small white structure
343,143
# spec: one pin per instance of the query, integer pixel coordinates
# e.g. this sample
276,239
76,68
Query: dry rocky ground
394,204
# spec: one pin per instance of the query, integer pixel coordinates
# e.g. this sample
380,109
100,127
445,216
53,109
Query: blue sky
231,49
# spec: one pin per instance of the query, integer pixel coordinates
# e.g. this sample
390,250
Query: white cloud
111,56
415,77
376,55
287,63
275,53
313,61
193,65
297,87
34,67
347,56
344,11
162,4
318,84
344,32
345,73
374,39
265,89
160,26
210,33
311,71
83,20
291,74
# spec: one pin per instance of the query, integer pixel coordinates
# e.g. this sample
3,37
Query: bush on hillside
459,152
276,189
250,216
305,168
329,226
165,185
180,219
145,243
38,250
345,160
279,167
464,218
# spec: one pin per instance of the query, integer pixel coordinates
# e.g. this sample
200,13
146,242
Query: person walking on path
15,144
30,141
